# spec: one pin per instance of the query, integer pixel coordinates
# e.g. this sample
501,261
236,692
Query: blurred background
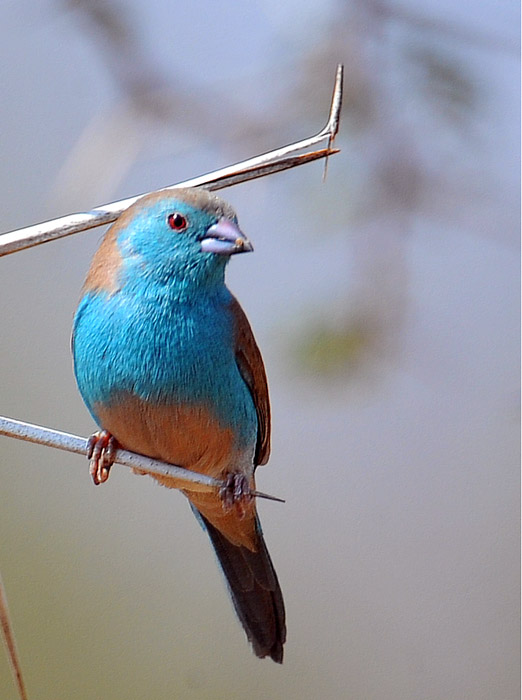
385,302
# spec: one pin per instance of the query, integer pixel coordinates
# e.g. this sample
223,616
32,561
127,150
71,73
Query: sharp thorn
260,494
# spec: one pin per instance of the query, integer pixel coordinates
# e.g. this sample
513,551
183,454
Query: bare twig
78,445
250,169
10,643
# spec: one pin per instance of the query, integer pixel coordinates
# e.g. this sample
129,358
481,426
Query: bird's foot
101,450
235,492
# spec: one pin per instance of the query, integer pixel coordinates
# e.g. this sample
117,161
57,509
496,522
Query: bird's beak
225,238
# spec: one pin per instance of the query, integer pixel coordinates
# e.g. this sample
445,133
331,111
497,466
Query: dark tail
254,590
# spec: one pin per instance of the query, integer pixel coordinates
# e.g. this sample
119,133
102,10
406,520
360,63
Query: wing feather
252,369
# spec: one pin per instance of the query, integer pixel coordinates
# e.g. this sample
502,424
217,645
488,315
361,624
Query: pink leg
101,450
236,493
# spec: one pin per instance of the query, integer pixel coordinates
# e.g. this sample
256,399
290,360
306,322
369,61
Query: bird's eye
177,221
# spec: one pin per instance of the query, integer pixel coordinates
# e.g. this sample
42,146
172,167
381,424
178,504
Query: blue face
187,235
163,240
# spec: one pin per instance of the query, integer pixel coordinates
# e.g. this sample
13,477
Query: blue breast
164,350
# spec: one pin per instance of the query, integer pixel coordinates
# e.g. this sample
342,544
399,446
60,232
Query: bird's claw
236,492
101,451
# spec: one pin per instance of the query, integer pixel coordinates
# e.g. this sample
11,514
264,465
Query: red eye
177,221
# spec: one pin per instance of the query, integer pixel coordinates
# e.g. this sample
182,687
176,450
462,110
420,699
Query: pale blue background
385,302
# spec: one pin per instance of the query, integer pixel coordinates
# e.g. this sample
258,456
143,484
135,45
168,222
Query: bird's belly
187,435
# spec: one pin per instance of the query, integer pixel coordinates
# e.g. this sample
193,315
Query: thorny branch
265,164
78,445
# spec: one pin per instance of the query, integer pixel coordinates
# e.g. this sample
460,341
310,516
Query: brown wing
250,364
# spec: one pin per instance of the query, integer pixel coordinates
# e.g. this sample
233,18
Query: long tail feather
254,590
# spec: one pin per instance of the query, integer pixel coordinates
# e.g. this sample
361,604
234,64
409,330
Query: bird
167,364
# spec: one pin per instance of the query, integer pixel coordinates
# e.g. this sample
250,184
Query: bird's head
185,234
